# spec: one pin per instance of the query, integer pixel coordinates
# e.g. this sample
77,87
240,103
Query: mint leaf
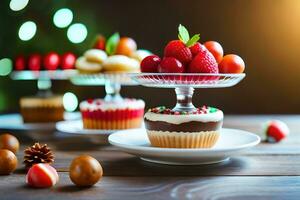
183,34
193,40
112,43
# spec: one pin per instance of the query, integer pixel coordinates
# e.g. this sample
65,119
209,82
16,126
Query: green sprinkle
212,110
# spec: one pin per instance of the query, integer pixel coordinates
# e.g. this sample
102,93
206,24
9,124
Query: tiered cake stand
231,141
44,84
113,83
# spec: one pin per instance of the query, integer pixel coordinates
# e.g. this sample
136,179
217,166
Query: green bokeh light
6,66
70,101
27,30
63,18
77,33
17,5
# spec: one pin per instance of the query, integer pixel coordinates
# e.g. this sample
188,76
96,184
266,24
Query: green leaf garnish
193,40
183,34
112,43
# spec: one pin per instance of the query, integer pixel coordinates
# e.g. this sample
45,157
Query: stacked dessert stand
14,122
231,141
112,83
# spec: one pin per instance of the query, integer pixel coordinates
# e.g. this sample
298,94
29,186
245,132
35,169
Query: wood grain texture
158,188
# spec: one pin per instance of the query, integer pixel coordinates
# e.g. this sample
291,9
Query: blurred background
265,33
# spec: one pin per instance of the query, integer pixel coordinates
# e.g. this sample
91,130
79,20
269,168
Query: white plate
231,142
15,122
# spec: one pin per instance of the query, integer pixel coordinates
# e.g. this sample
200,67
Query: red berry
35,62
20,63
150,64
41,176
178,50
100,43
68,60
232,64
276,131
215,49
197,48
170,65
51,61
204,62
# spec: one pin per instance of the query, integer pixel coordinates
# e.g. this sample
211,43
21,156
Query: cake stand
43,79
113,83
184,85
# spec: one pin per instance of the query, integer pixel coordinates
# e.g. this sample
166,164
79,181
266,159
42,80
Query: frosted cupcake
112,115
170,129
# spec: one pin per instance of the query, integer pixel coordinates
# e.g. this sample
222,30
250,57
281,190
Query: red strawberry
204,62
170,65
100,42
197,48
276,131
178,50
150,64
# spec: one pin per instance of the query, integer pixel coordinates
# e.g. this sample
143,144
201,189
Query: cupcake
112,115
42,109
172,129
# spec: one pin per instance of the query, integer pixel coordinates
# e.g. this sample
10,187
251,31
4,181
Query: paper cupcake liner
112,125
42,114
166,139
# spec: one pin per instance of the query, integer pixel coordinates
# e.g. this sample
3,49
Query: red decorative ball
170,65
150,64
51,61
42,176
68,60
276,131
100,42
20,63
35,62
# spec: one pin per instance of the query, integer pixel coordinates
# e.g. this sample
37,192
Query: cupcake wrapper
112,125
42,114
166,139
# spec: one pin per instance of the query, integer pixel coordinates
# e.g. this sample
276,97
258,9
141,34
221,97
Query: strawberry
150,64
197,48
276,131
170,65
179,49
203,62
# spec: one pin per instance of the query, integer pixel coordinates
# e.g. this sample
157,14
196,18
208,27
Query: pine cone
38,154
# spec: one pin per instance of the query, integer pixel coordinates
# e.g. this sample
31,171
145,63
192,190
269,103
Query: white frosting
179,119
112,105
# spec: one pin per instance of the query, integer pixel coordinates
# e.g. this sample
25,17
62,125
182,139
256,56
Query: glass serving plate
184,84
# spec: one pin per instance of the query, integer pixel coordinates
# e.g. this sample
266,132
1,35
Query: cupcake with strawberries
185,63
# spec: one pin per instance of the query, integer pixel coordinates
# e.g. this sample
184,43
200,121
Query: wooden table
268,171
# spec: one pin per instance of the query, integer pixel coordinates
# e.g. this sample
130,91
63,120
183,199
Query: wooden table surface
268,171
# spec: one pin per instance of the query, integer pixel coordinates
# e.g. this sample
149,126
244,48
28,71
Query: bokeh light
17,5
77,33
63,18
27,30
70,101
6,66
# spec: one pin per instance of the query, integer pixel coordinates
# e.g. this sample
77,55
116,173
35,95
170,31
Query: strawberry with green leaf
179,49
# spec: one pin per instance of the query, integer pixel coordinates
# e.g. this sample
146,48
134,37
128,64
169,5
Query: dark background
265,33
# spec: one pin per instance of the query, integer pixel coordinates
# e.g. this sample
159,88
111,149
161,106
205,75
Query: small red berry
197,48
204,62
178,50
35,62
20,63
68,60
170,65
150,64
51,61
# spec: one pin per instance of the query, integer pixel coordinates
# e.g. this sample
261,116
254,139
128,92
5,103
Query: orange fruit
215,49
126,46
232,64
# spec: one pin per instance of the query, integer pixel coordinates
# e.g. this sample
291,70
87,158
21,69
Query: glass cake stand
185,83
112,82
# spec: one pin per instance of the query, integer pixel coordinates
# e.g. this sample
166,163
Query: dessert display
42,108
38,153
85,171
9,142
116,55
8,162
187,64
181,129
275,131
42,176
112,114
51,61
